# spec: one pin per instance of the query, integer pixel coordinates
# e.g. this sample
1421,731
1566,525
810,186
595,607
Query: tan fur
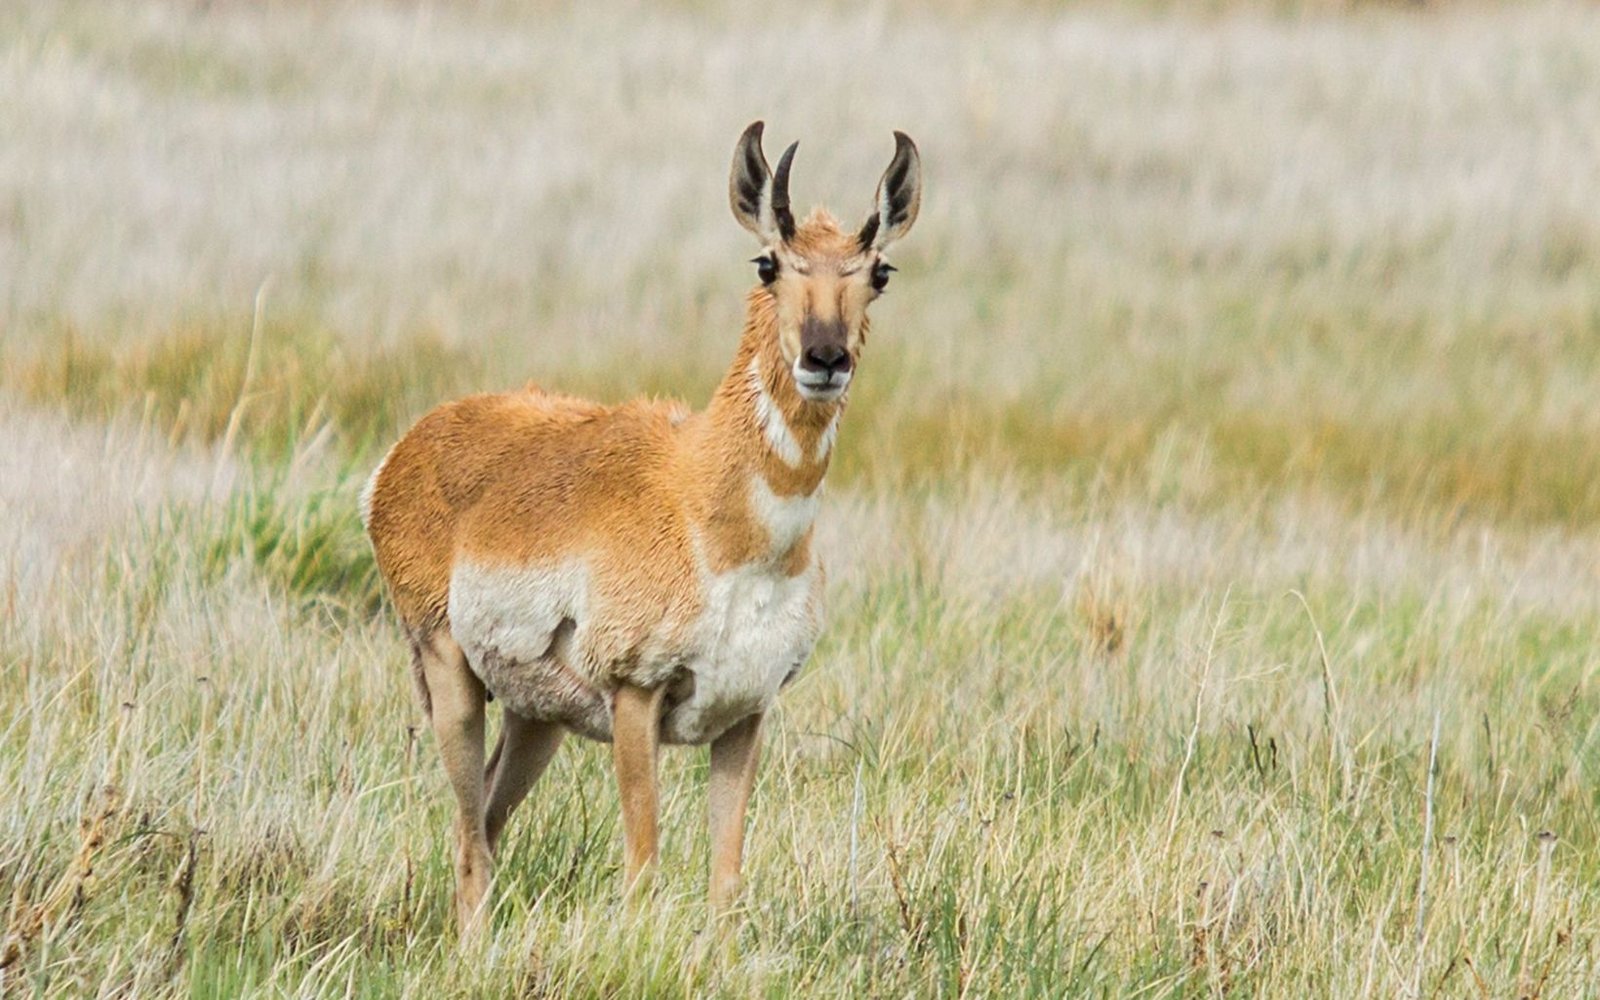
633,515
524,477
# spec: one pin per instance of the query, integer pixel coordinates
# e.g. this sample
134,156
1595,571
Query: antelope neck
758,431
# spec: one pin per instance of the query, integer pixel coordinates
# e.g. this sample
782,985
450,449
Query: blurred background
1343,249
1212,539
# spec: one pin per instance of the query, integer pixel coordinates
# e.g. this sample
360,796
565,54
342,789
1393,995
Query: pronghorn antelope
635,573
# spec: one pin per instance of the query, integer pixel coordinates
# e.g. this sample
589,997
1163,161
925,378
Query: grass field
1226,453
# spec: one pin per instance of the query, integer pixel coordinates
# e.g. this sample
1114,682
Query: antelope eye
880,275
766,269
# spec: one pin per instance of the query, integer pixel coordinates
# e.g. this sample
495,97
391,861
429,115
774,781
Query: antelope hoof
725,893
472,899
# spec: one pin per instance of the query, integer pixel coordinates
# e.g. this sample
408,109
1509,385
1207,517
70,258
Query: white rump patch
786,519
371,485
776,429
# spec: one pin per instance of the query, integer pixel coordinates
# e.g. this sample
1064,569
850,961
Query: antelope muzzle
824,367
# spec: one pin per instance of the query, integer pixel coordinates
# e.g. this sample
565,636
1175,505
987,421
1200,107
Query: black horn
781,212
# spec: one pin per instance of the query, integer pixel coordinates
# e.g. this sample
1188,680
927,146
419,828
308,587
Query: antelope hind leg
524,751
457,717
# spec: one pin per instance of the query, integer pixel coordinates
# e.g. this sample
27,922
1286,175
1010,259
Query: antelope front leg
733,774
635,738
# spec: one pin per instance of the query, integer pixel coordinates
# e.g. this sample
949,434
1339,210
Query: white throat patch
776,429
829,435
786,519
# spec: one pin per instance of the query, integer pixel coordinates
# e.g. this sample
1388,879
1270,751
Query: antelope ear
760,200
899,197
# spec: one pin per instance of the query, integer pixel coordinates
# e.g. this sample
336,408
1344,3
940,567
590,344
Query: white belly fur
526,632
522,628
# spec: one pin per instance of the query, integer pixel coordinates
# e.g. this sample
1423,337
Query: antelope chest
756,626
755,631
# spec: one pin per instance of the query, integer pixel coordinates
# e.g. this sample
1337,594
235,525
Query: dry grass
1230,421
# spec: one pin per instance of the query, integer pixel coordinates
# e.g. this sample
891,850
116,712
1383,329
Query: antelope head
820,277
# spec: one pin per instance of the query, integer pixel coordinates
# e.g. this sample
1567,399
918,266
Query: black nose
828,358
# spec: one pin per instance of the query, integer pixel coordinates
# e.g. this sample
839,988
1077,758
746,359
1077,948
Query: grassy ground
1227,435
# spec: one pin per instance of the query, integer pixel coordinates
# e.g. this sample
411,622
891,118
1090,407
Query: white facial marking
773,426
786,519
829,435
819,388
